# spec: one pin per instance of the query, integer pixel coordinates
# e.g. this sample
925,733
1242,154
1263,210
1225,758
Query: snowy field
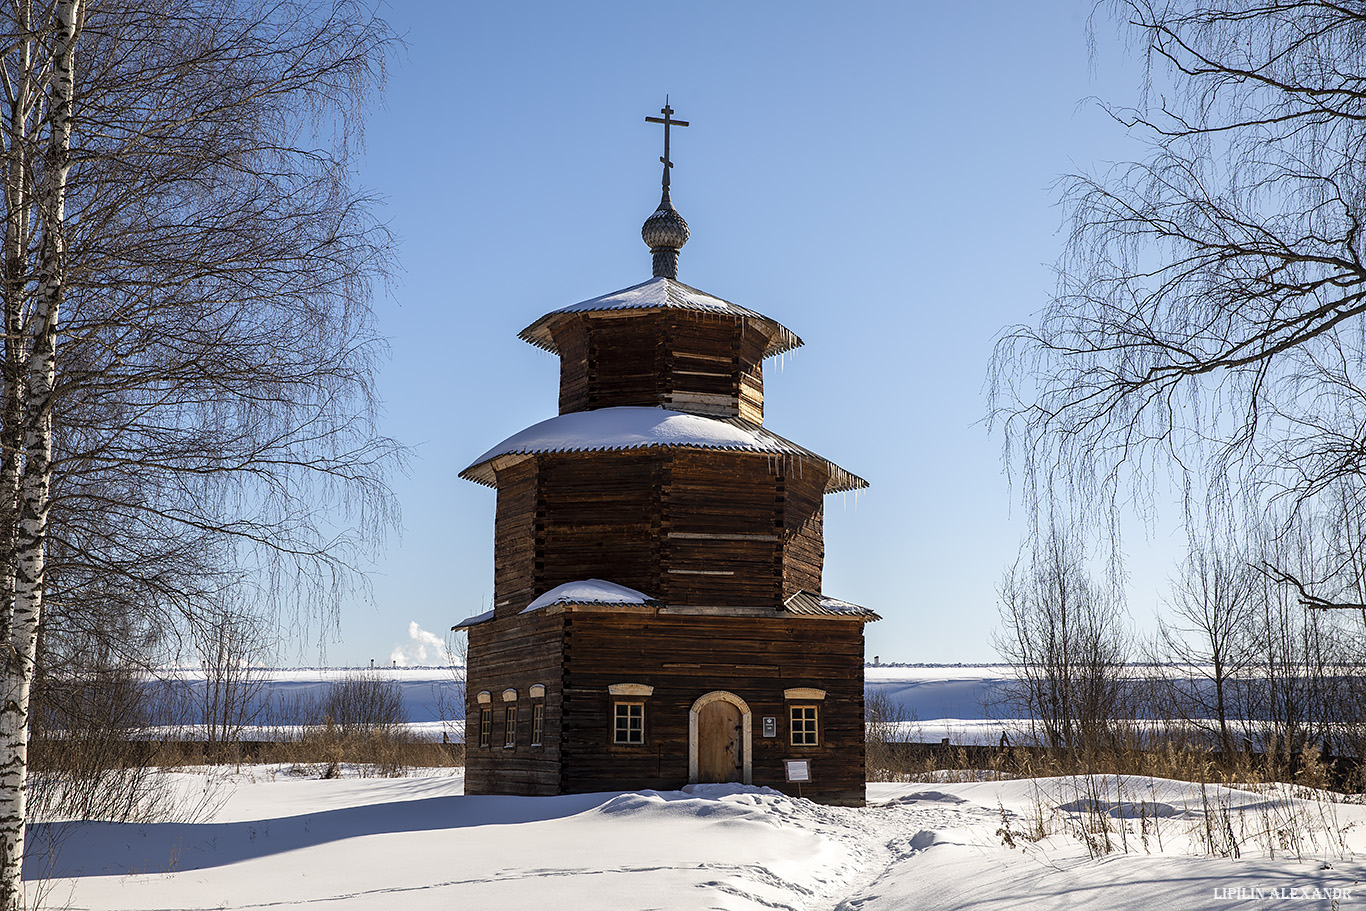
934,701
967,704
268,837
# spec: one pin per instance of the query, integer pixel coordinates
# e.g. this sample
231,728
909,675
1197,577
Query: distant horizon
443,667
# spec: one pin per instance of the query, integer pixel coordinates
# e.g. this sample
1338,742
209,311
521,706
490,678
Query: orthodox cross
668,122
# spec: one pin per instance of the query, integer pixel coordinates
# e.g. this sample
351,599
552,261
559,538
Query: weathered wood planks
689,361
685,526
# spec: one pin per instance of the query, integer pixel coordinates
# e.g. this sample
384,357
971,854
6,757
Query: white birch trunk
36,472
15,272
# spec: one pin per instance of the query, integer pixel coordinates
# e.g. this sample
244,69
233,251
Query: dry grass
384,754
1296,811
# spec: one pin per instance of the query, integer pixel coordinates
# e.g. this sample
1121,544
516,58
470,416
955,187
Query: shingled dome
665,229
632,427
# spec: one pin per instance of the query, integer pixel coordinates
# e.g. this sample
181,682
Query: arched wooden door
720,754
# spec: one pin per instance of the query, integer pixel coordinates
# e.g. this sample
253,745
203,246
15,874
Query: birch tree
188,403
1209,322
37,373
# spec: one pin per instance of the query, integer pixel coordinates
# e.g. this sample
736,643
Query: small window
510,728
804,731
485,727
537,723
629,722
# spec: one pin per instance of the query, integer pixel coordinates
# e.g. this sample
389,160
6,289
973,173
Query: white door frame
746,735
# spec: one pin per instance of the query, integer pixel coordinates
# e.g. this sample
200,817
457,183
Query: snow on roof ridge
474,620
667,293
590,591
645,426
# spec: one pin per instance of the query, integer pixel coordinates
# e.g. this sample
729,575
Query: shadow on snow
69,849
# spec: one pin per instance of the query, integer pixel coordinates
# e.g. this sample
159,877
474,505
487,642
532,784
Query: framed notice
770,726
798,769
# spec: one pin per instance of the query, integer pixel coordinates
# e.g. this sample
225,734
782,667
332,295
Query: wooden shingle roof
641,427
814,604
662,294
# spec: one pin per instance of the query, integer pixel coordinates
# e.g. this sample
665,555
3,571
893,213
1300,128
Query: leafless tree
1063,635
186,416
231,647
449,695
1208,315
1207,637
1298,691
88,764
884,735
365,704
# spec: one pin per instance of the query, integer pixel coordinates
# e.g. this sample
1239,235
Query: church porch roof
814,604
591,591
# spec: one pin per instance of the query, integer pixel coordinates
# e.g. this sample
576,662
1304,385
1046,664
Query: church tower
658,617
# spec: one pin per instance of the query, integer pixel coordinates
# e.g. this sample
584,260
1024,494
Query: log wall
689,527
597,517
750,347
722,530
514,652
514,536
802,494
695,362
684,658
571,337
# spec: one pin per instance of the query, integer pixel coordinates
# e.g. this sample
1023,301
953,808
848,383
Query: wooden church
658,617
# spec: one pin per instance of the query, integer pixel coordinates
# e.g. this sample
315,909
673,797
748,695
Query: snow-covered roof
590,591
586,591
641,427
668,294
474,620
816,604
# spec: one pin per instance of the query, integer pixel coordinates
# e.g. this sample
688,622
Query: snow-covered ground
270,838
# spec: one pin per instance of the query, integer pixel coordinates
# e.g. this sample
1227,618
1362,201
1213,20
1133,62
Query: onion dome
665,232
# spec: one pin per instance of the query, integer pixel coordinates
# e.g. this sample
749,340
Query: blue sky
879,177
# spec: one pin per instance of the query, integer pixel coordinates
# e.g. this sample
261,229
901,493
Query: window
537,723
628,722
510,728
485,727
804,731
